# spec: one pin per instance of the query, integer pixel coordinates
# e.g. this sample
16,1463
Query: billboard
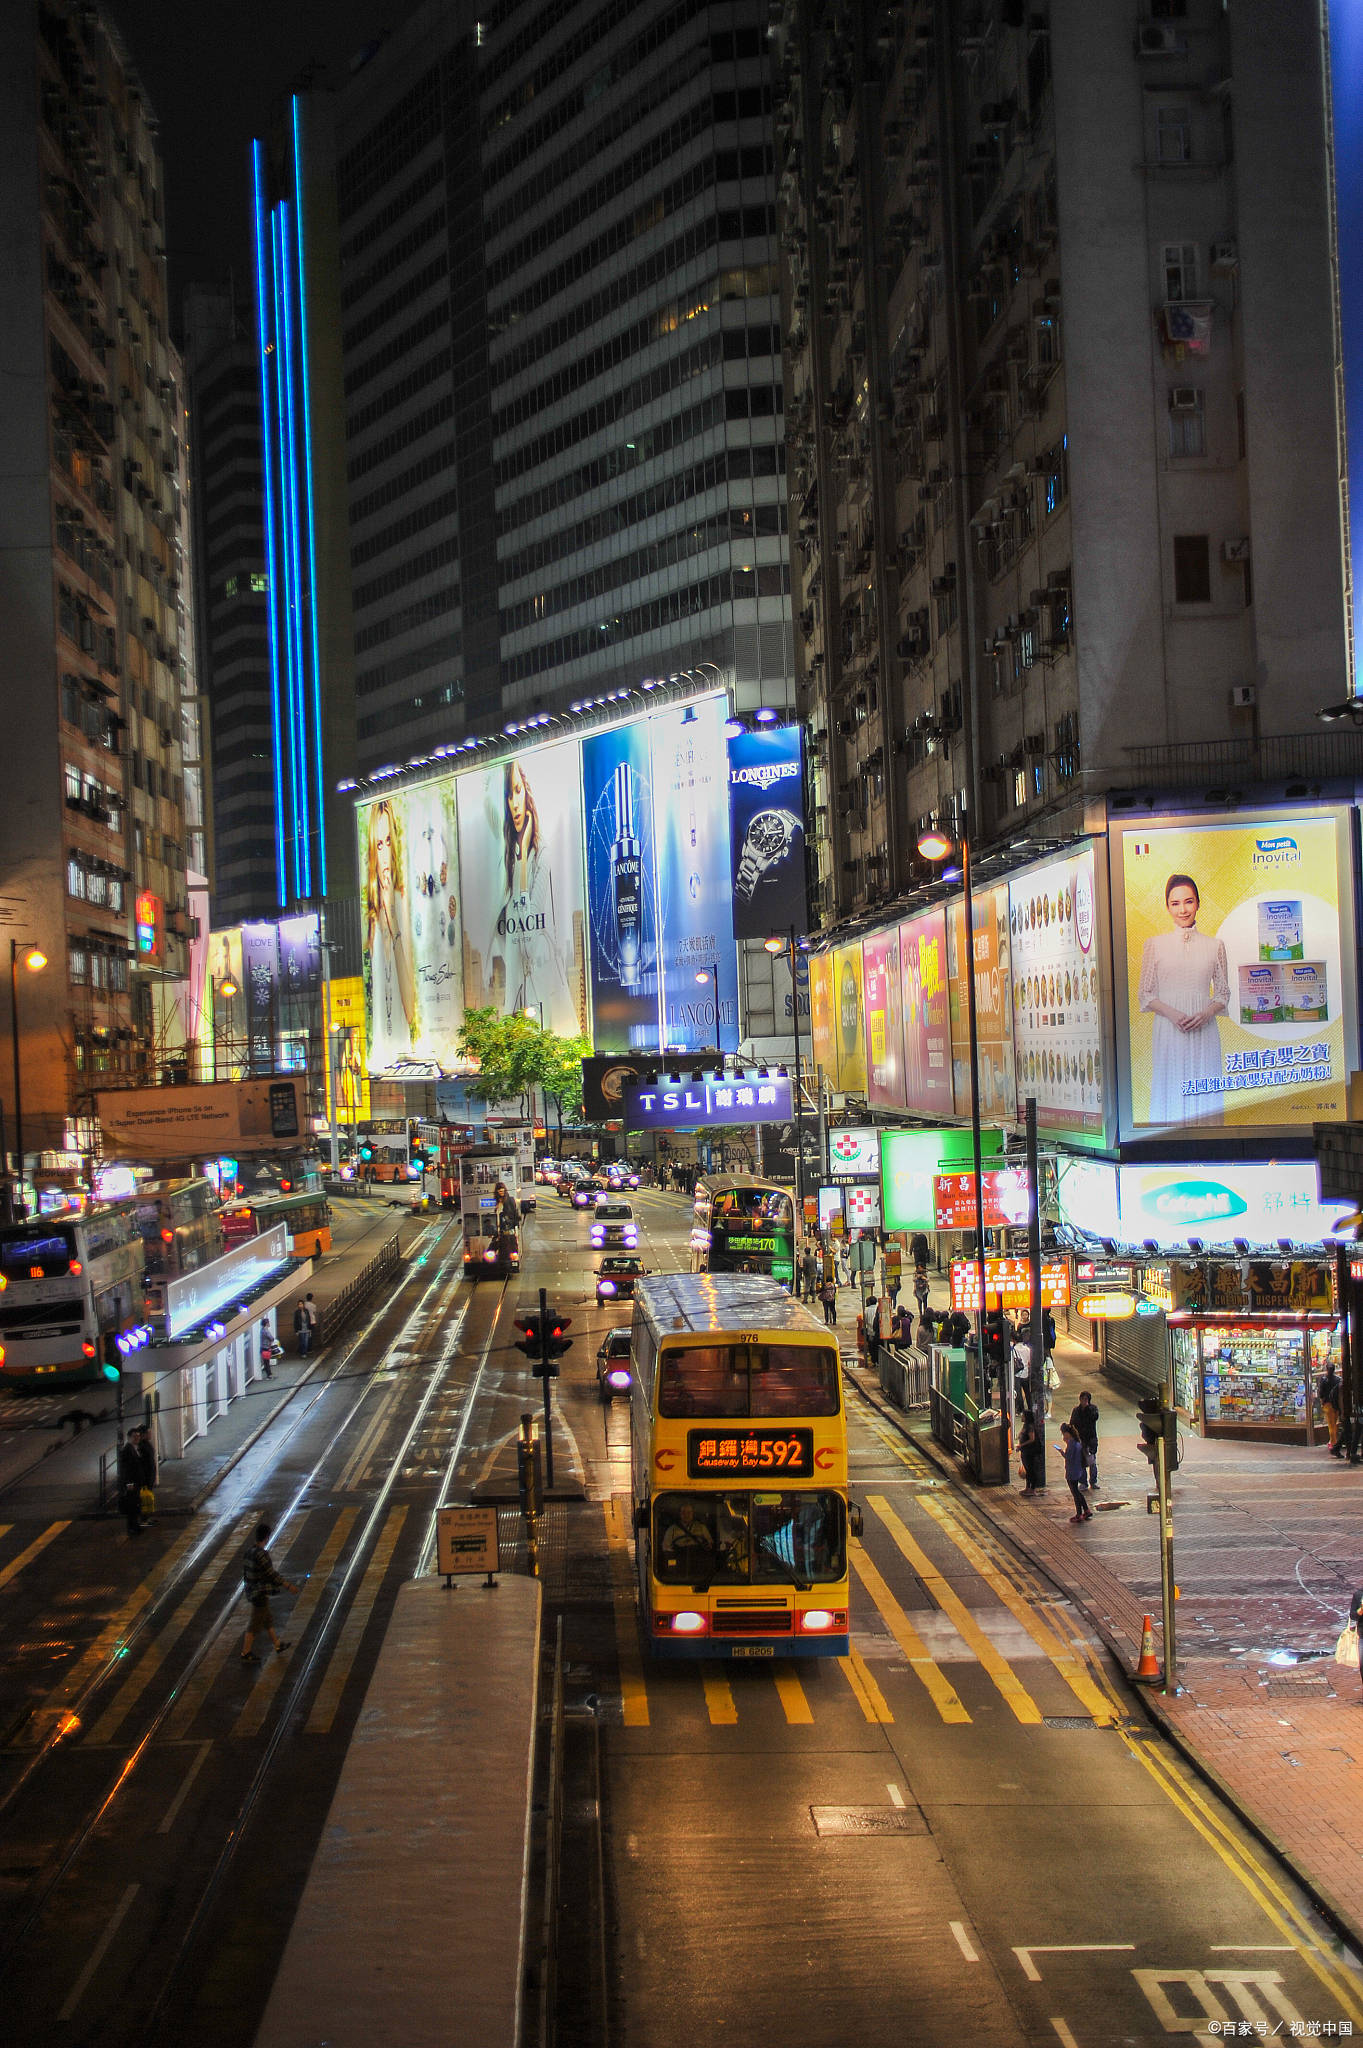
711,1100
520,867
606,1082
883,996
1346,92
1006,1199
346,1067
695,892
993,1005
854,1154
847,1020
822,1035
411,926
910,1162
622,896
1215,1201
1057,1000
1236,972
1008,1284
767,832
926,1015
165,1125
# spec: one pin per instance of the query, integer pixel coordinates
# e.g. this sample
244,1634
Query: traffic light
111,1358
366,1151
1156,1421
531,1342
555,1343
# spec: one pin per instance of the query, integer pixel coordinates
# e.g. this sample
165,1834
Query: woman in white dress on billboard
1185,988
387,941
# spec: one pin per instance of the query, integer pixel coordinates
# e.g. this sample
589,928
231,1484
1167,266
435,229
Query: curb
1325,1904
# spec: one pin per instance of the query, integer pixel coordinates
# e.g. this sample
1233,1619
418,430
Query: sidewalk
1268,1551
39,1482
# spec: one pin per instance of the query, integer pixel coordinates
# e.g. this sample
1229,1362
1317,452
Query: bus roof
714,1182
670,1302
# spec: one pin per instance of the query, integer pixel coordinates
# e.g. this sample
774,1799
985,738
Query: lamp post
226,989
34,961
935,845
790,946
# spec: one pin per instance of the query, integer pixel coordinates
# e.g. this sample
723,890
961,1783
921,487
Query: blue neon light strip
302,827
1346,85
286,620
309,483
271,551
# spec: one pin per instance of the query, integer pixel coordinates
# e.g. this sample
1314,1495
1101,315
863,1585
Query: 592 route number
723,1453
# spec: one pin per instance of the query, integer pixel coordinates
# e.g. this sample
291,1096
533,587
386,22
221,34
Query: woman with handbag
1349,1648
1029,1452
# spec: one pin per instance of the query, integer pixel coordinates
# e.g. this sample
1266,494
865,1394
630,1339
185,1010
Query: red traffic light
531,1342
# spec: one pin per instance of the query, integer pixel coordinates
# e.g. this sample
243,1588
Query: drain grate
1299,1688
1069,1721
868,1820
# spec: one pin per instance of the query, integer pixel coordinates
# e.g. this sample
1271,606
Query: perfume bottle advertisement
767,832
695,901
617,797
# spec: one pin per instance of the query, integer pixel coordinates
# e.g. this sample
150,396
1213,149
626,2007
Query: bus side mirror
856,1521
641,1515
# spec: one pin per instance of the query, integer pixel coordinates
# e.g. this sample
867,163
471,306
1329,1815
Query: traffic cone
1147,1669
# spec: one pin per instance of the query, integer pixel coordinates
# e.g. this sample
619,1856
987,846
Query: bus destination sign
736,1453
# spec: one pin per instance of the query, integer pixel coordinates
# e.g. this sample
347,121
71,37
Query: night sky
214,72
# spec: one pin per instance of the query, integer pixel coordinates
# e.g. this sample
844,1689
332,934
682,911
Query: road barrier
342,1306
904,1377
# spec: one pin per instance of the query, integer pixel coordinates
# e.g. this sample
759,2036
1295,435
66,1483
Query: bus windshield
740,1539
720,1379
30,1254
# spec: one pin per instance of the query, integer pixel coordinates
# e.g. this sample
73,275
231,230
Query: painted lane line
1066,2038
220,1644
426,1560
1066,1948
793,1699
940,1690
719,1700
98,1953
963,1941
896,1796
1005,1679
352,1631
173,1810
633,1693
867,1693
16,1565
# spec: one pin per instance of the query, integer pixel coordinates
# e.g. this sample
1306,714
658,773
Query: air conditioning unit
1235,550
1244,696
1184,398
1225,257
1159,39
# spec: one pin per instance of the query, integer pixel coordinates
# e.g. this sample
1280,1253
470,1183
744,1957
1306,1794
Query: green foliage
514,1056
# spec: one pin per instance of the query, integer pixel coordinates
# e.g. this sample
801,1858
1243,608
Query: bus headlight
816,1621
687,1623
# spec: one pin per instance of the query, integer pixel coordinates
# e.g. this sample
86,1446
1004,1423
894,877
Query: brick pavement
1268,1549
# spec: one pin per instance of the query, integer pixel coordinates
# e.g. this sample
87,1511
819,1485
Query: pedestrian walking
314,1316
1050,1382
828,1295
1074,1472
1355,1611
267,1351
1030,1449
1330,1394
920,1287
919,1248
1047,1330
809,1268
302,1330
130,1486
873,1336
259,1580
1084,1423
146,1460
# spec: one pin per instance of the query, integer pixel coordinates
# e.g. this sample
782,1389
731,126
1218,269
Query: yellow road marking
633,1695
137,1681
793,1699
348,1643
1005,1678
201,1680
16,1564
252,1716
719,1700
360,1456
1046,1640
868,1695
939,1688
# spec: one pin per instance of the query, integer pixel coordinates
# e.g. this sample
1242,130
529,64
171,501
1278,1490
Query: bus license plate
753,1650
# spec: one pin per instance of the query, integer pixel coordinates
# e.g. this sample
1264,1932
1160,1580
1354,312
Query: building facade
95,841
1061,411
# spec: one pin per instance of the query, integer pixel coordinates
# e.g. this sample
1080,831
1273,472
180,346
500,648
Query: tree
513,1056
560,1074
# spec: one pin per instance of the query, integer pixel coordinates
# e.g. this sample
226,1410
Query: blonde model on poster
526,942
1184,987
393,1030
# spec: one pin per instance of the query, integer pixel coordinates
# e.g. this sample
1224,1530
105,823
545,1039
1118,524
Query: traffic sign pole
544,1368
1166,1543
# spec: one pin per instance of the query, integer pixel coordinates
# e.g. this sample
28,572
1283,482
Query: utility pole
548,1405
1036,1380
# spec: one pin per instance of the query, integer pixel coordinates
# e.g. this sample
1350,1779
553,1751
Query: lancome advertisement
411,925
520,862
695,900
1234,944
993,1005
767,834
1057,1006
617,803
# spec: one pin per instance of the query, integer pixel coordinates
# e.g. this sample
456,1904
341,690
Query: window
1192,569
1174,134
1056,461
78,961
1187,422
1019,789
1179,264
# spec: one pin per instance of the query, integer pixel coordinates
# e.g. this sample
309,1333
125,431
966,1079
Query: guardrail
342,1306
905,1377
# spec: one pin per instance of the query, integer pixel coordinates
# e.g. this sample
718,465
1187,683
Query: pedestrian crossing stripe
938,1686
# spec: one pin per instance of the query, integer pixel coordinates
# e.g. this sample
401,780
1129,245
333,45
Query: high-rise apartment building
95,833
227,464
561,345
1062,413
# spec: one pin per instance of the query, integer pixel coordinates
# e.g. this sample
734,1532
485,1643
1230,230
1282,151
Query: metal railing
905,1378
342,1306
1223,764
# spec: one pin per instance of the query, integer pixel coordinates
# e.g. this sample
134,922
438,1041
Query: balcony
1222,767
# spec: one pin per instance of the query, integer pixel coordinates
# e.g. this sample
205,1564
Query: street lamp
789,946
225,989
935,844
34,962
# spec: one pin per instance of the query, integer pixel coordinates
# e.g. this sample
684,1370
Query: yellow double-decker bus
739,1460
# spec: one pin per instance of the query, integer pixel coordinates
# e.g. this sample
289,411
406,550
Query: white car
613,1224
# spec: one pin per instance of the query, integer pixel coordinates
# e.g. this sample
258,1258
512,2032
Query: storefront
1248,1342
